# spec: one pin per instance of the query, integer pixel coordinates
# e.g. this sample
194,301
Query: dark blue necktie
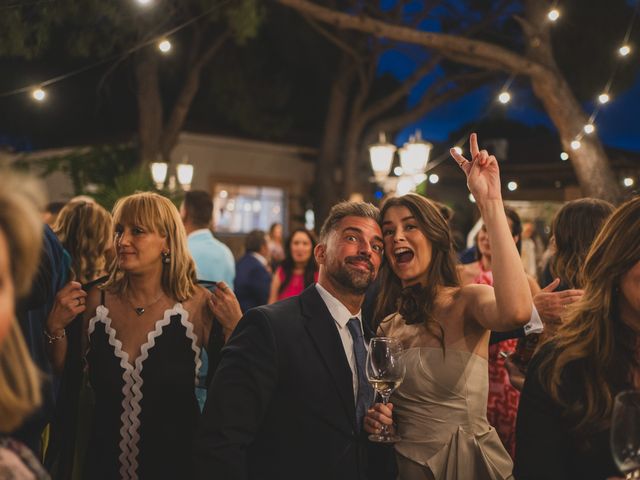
364,398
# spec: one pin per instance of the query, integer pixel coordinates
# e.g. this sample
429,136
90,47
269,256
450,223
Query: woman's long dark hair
417,306
288,265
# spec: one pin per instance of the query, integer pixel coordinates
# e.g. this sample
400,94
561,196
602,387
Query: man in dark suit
253,279
289,395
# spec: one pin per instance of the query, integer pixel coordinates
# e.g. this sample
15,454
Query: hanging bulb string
114,57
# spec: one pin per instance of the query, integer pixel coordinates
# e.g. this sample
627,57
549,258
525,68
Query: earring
166,258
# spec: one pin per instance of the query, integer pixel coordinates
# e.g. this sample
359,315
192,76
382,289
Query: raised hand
483,174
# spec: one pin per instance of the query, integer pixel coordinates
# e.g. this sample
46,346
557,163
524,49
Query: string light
143,3
164,45
624,50
564,156
398,171
434,178
38,94
603,98
575,145
504,97
512,186
628,182
589,128
553,14
472,199
458,150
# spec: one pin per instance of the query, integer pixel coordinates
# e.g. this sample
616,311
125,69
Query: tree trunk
149,106
590,161
325,191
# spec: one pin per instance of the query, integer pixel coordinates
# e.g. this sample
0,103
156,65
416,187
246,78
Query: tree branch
471,52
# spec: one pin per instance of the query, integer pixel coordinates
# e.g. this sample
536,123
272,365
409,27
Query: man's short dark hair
254,240
347,209
199,207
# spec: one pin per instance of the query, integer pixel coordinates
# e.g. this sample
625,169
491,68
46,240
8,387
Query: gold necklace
140,310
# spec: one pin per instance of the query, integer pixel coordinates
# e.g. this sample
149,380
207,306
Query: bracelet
54,338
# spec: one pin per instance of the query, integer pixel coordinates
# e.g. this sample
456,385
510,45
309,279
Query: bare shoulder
197,305
468,272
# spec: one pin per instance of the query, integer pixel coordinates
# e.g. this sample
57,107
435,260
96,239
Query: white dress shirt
341,315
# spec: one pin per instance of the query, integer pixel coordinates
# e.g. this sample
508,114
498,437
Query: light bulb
143,2
38,94
553,14
589,128
512,186
504,97
472,199
434,178
564,156
628,182
603,98
575,145
624,50
164,45
398,171
458,150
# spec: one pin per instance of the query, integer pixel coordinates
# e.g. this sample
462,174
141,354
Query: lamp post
184,171
414,156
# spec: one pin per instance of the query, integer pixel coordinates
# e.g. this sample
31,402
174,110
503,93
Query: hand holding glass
385,372
625,433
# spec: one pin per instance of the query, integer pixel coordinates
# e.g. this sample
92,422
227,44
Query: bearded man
288,398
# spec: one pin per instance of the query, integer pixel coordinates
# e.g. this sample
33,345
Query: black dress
145,413
545,447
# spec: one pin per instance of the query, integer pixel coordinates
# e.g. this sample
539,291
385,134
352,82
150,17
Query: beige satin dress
441,412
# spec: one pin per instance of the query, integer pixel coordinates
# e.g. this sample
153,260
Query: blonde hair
85,230
594,346
157,214
22,227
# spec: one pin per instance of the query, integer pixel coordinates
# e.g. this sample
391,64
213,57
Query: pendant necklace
140,310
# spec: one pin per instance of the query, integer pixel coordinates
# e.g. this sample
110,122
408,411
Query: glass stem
384,431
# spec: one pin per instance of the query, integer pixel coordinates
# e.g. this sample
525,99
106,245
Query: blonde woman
566,404
86,232
20,242
144,328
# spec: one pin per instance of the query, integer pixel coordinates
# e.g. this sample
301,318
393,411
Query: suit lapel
324,333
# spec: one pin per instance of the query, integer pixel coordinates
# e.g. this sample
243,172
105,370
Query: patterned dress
145,412
502,404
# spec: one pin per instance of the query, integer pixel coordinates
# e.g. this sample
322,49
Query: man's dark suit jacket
281,404
252,283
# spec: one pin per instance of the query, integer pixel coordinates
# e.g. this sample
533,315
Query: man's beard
354,281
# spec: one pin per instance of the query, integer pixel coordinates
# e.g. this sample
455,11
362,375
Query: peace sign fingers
473,145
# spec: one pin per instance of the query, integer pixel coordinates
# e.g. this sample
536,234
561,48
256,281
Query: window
242,208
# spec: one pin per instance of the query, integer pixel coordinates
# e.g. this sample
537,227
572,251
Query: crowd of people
134,346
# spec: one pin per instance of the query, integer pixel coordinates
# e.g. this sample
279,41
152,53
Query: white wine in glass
385,372
625,433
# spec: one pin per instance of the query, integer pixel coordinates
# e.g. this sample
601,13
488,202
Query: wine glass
385,372
625,433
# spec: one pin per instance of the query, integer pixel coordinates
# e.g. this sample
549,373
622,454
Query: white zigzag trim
102,313
132,389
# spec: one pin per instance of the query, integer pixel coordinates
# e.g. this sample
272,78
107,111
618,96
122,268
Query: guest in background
276,250
51,211
566,405
253,279
214,260
299,268
20,394
85,230
502,405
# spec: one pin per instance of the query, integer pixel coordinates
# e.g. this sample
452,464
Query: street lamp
414,156
381,155
159,173
184,171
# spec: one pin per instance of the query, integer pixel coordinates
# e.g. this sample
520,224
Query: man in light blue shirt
214,260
